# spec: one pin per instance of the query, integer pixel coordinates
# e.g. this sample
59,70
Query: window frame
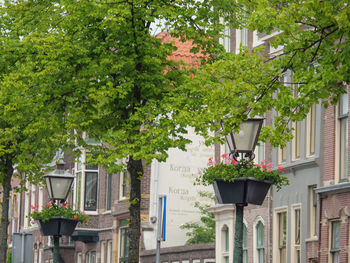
334,250
225,243
343,122
123,182
96,190
311,123
123,241
276,234
109,183
296,223
313,208
260,244
245,244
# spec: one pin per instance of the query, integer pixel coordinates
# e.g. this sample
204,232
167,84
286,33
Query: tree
203,231
30,134
313,39
99,61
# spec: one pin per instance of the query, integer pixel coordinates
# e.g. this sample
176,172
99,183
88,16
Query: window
296,257
103,251
123,241
335,241
35,252
311,130
123,184
313,223
109,192
109,251
260,153
90,257
77,190
41,255
26,207
225,243
343,137
244,36
79,258
244,245
91,180
282,237
32,197
296,140
260,242
282,155
77,200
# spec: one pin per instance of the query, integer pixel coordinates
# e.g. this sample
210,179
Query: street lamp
58,183
243,143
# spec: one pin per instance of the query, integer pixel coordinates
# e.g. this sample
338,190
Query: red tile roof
183,49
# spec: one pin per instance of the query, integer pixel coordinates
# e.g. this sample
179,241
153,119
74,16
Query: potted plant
57,220
241,182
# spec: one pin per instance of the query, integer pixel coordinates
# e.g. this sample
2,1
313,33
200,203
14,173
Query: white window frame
103,251
337,176
82,183
295,247
121,185
313,220
225,243
275,249
26,207
109,251
258,220
311,120
79,257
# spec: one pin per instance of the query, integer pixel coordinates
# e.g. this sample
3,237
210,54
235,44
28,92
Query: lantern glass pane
60,187
229,141
246,138
48,184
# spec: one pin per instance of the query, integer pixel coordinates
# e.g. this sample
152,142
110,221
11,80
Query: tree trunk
135,170
6,185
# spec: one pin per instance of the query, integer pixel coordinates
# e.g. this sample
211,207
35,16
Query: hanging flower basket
57,220
241,191
58,226
241,182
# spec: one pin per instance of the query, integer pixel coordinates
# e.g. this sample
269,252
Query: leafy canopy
312,43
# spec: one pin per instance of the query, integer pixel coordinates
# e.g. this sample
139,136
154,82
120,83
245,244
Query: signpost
161,224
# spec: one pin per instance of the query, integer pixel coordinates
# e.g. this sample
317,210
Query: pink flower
234,162
200,171
75,217
269,164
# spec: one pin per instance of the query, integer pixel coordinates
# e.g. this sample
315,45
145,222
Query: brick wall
180,253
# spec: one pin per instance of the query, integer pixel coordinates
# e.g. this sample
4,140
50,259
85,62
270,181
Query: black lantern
58,184
245,140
